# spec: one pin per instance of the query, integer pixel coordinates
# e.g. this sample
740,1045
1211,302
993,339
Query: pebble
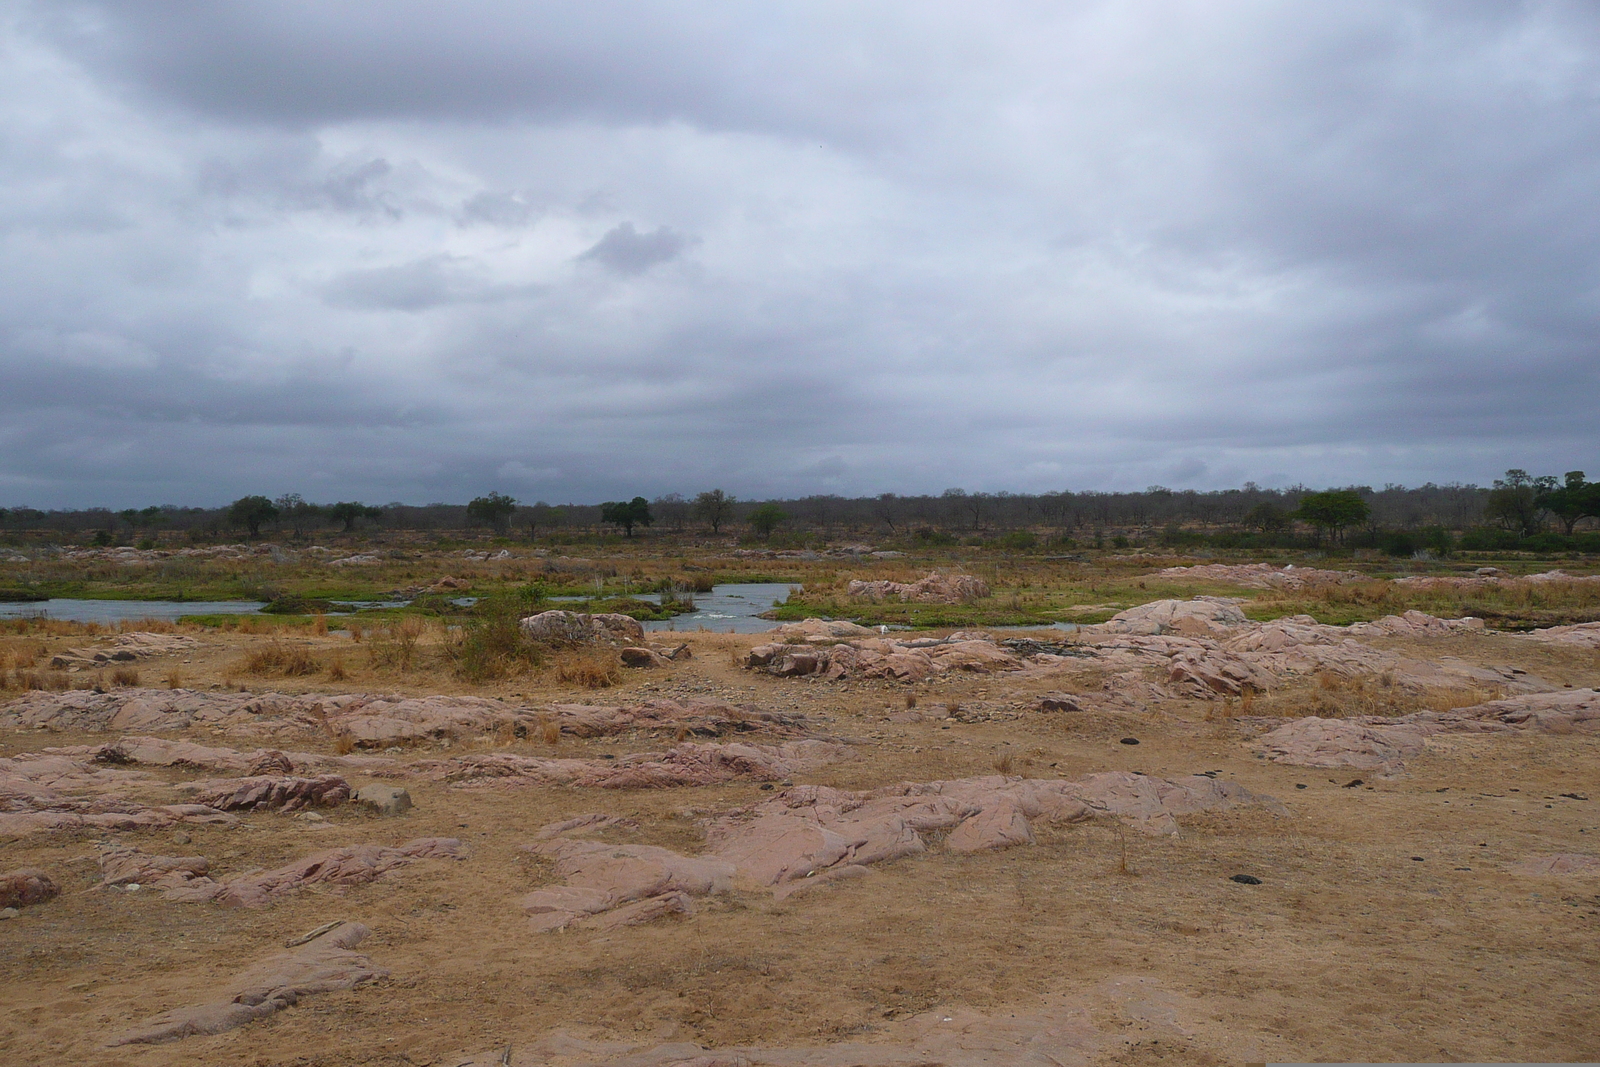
1130,740
9,913
1246,879
180,838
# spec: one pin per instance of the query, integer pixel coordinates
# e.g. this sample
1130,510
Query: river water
114,611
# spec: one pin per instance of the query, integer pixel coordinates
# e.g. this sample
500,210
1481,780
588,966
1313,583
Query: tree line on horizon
1516,507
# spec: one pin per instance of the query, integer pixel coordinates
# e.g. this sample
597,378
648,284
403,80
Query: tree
635,512
293,507
714,506
348,511
250,512
1575,501
493,510
764,519
1266,517
1513,502
1333,510
542,514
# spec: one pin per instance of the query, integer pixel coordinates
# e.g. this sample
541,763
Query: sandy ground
1386,927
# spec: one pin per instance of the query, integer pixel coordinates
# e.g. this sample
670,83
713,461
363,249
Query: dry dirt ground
1387,924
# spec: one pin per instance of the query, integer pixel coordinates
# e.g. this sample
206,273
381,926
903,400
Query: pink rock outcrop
1584,635
933,588
1203,616
45,792
686,764
370,720
187,879
607,886
367,720
1262,575
1381,744
272,793
705,718
322,966
912,660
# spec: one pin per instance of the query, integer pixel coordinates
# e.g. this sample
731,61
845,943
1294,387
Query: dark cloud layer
422,250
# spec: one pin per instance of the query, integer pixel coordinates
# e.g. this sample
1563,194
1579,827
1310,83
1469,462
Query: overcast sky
418,251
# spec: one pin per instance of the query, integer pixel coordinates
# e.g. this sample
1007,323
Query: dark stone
1130,740
1246,879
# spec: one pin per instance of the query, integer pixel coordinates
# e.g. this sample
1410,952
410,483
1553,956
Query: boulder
641,657
574,628
26,887
383,799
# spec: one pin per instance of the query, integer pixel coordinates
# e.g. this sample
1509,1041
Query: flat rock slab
322,966
1055,1031
1562,863
1379,744
687,764
186,879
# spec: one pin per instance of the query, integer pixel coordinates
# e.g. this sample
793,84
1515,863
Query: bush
492,645
1399,543
1019,540
1489,539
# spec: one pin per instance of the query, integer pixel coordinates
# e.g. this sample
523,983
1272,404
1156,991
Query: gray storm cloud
421,250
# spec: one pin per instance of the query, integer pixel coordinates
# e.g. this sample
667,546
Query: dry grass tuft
127,677
280,659
551,732
911,701
174,678
336,669
319,625
1005,764
396,646
344,743
591,668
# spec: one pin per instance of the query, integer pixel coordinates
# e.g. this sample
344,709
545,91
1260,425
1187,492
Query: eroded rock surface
42,792
682,765
322,966
1561,863
367,720
124,648
599,879
1375,743
186,878
271,792
1052,1031
576,628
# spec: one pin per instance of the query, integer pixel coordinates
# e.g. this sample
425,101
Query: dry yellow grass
588,668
